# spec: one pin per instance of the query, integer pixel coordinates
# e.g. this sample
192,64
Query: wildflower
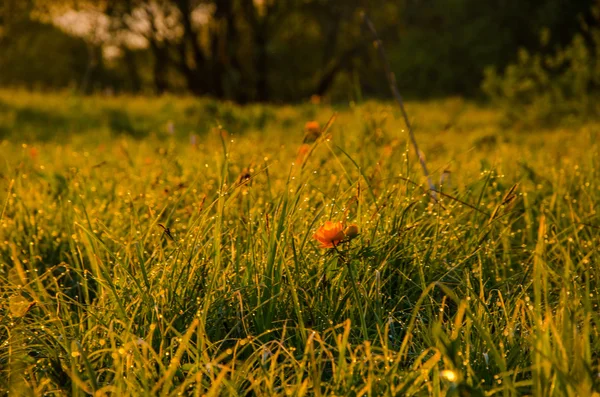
312,131
302,153
387,151
312,126
330,234
351,231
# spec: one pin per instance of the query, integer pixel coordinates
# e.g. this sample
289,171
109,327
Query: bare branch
394,88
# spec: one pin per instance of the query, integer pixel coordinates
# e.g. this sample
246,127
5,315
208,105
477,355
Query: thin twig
391,78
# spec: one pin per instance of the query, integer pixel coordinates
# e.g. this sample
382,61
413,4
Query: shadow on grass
33,123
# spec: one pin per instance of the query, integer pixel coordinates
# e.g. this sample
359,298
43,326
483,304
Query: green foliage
550,88
157,266
38,55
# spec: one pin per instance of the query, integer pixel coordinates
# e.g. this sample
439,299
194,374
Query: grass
491,291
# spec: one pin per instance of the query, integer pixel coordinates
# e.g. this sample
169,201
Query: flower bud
351,231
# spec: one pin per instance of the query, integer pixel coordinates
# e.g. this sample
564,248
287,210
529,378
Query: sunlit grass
491,291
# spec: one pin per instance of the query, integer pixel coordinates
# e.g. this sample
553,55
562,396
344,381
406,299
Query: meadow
165,246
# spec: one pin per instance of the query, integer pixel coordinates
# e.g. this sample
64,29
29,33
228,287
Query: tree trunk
132,70
159,69
193,81
262,63
260,27
91,71
196,75
217,66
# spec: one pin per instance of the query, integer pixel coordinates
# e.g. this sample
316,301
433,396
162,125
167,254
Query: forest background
279,51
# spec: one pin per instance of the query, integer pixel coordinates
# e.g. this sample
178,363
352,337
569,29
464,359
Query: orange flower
302,152
312,131
330,234
312,126
33,152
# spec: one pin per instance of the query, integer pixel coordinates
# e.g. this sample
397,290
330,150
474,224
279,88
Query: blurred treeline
273,50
